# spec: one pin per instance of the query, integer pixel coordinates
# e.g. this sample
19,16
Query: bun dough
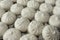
12,34
41,37
8,18
55,20
3,28
16,8
35,28
52,2
2,11
44,7
22,24
42,17
6,4
28,37
58,3
33,4
50,33
13,0
22,2
40,1
28,13
56,10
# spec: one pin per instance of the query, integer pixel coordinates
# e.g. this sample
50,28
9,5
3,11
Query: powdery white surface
40,1
28,13
58,3
3,28
8,18
12,34
0,0
26,19
28,37
2,11
41,37
50,33
35,28
16,8
44,7
52,2
33,4
22,24
56,10
22,2
6,4
55,20
42,16
13,0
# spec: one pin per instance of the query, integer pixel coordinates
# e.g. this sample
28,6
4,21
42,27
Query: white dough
22,24
28,37
13,0
1,0
52,2
33,4
12,34
58,3
2,11
40,1
56,10
50,33
8,18
42,17
22,2
55,20
28,13
6,4
3,28
16,8
41,37
35,28
44,7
